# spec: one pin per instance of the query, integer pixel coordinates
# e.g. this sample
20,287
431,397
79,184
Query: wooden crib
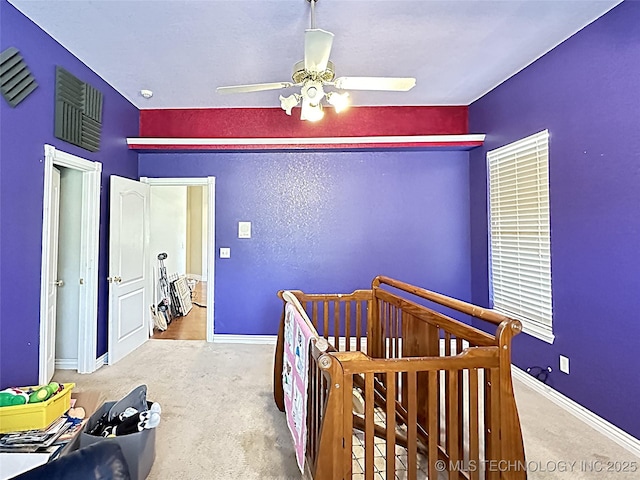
399,389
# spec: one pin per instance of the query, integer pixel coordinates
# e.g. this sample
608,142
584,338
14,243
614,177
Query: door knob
59,283
118,279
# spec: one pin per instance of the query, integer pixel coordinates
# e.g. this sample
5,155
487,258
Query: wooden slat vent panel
16,80
78,111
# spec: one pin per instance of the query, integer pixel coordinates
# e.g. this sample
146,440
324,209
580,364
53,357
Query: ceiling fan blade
375,83
256,87
317,48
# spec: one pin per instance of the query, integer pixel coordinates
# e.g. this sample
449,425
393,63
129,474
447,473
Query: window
520,253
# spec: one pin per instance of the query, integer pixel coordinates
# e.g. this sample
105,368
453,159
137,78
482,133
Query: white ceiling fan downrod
313,13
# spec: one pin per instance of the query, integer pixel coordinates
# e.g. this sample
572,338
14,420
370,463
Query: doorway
69,275
182,226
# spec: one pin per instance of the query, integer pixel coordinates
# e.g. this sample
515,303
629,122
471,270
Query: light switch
564,364
225,252
244,229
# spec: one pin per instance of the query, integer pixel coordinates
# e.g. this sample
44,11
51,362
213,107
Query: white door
52,282
128,266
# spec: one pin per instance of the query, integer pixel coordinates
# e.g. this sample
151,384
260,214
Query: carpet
219,420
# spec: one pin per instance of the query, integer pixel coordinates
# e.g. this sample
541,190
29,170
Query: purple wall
586,92
328,222
24,131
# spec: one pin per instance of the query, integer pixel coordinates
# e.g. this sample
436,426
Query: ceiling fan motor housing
300,75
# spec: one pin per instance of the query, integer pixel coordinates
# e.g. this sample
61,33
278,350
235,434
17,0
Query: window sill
543,334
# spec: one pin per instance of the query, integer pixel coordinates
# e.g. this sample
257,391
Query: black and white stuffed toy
131,421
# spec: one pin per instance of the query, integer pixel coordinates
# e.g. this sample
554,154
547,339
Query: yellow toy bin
36,416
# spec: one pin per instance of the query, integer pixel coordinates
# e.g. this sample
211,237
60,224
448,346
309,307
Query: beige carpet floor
219,420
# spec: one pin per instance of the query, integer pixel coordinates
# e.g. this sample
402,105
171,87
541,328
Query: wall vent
16,80
78,117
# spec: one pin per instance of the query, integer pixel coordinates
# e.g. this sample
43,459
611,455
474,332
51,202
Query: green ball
39,395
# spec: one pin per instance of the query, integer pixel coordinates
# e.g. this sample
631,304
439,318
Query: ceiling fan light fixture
340,101
313,92
312,113
287,103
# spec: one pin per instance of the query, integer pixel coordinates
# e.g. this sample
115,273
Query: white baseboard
247,339
66,364
102,360
601,425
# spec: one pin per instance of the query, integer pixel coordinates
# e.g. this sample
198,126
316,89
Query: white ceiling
183,49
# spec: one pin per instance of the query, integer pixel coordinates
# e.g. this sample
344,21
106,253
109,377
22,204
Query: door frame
209,182
90,227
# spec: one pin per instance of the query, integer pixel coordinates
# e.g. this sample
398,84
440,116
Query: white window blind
520,235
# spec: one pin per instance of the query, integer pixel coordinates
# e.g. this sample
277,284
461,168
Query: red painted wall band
275,123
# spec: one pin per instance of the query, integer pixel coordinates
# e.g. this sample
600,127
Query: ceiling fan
316,72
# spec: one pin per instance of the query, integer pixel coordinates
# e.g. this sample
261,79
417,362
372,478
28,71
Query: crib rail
442,387
402,328
340,319
449,441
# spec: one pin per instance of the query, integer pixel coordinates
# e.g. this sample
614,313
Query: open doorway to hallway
179,235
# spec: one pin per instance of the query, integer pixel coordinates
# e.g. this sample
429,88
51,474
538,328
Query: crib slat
314,315
321,398
487,421
336,324
495,413
433,423
369,423
389,346
316,396
492,417
358,325
474,448
447,392
347,324
313,372
453,419
412,434
399,354
387,333
461,404
325,321
418,347
323,395
391,426
386,326
319,404
347,462
393,342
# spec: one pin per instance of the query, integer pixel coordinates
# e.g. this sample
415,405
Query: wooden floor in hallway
192,326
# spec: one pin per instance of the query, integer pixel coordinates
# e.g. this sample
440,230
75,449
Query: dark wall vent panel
78,111
16,80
